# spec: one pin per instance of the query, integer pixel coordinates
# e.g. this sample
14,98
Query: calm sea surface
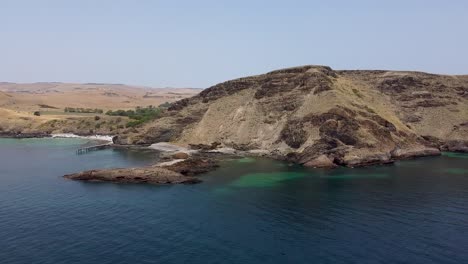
249,211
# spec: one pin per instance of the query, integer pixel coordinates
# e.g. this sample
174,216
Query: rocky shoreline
13,134
181,165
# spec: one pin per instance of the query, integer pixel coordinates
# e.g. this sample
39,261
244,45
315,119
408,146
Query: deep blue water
249,211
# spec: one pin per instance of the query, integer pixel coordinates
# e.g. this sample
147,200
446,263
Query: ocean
248,211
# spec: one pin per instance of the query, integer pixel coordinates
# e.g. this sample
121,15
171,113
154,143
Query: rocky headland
320,117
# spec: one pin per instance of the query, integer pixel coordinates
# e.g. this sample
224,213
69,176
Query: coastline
178,162
24,135
195,160
106,138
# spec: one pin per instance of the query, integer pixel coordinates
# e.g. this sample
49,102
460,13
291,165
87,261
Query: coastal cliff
319,117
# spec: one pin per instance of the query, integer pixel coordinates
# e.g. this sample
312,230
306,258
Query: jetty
87,149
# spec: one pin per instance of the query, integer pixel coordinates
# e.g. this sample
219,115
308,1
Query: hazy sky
200,43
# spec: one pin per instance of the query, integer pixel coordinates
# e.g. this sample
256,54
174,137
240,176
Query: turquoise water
248,211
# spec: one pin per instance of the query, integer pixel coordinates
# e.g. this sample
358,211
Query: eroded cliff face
316,116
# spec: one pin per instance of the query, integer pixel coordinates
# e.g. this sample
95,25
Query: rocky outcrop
322,161
211,146
149,175
455,146
179,170
360,160
399,153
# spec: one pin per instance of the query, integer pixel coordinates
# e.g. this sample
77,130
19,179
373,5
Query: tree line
140,115
83,110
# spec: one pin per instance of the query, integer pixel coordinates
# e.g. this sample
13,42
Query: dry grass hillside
18,102
37,96
314,115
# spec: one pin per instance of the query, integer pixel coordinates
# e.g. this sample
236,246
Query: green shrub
140,115
134,123
82,110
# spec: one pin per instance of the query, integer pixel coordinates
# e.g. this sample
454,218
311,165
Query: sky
200,43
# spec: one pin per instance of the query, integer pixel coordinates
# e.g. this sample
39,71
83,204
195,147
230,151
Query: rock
212,146
431,103
399,84
366,160
293,133
229,151
431,141
456,146
150,175
193,166
180,155
322,146
322,161
168,147
399,153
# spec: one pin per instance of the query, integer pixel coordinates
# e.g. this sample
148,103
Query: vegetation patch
47,106
83,110
140,115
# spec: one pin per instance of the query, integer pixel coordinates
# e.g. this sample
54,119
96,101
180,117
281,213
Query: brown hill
316,116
